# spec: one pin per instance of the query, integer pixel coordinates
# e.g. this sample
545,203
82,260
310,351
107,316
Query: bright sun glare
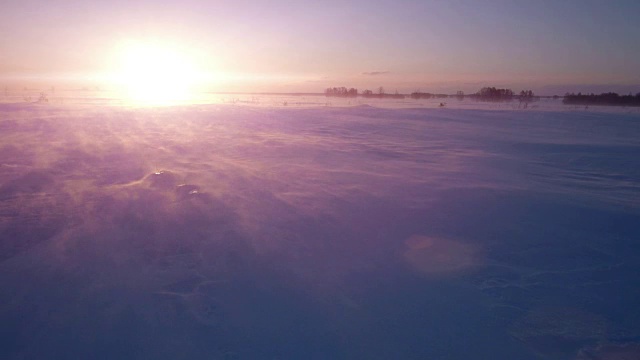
155,74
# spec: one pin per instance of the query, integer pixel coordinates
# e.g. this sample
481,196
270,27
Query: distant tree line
526,95
341,91
494,94
609,98
352,92
485,94
382,94
423,95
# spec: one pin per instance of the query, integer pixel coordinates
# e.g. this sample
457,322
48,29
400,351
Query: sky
306,46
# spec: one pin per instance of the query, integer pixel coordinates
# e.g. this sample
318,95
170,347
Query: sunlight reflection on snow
438,257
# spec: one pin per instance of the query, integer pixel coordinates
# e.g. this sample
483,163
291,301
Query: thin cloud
374,73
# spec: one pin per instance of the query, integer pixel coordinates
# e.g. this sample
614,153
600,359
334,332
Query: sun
152,73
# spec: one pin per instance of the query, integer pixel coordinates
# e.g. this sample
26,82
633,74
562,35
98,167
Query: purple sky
549,46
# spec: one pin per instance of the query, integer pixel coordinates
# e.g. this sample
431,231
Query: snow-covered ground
259,230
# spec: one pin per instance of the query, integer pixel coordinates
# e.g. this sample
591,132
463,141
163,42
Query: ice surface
251,231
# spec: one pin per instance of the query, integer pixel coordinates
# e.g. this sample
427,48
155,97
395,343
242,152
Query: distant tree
527,96
380,90
609,98
395,95
341,91
43,98
420,95
494,94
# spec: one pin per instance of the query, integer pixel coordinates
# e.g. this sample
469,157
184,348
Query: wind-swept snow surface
232,232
